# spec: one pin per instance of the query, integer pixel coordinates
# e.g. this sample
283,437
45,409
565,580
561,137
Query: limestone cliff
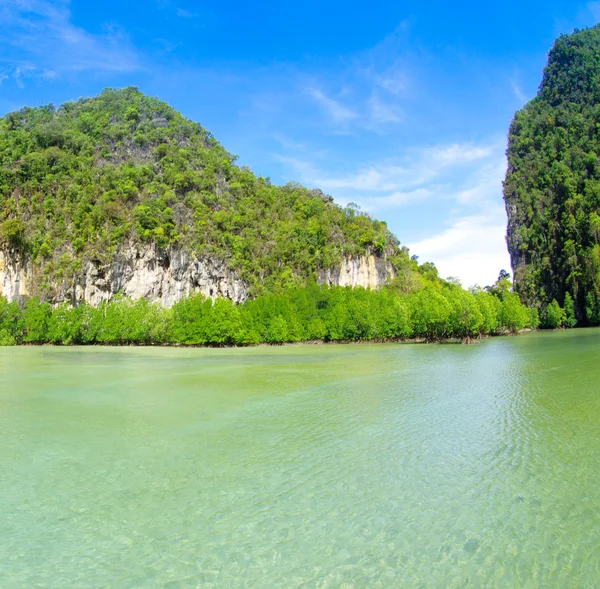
368,271
143,271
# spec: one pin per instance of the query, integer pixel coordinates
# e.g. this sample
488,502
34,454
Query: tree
502,286
12,233
36,316
569,315
466,319
277,332
430,314
513,315
554,315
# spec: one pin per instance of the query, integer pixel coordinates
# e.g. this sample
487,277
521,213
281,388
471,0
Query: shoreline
316,342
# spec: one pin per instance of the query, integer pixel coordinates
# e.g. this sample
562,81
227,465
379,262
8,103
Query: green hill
80,180
552,187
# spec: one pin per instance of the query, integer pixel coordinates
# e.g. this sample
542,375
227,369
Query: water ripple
342,466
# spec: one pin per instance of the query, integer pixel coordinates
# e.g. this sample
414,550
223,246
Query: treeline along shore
335,314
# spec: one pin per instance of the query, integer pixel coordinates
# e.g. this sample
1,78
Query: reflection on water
303,466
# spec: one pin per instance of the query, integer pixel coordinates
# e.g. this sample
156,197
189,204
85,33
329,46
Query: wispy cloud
472,246
457,154
382,112
484,184
366,90
338,112
395,81
38,39
518,92
182,13
401,198
387,180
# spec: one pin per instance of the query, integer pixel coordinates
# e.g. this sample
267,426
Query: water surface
303,466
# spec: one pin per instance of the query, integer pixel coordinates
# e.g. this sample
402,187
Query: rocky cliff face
139,271
135,271
367,271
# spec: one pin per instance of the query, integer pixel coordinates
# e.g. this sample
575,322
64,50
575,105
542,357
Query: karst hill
121,194
552,187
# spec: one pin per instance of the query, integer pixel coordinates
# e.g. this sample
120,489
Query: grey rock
165,277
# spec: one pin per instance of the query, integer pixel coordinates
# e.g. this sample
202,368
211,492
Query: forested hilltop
80,182
552,187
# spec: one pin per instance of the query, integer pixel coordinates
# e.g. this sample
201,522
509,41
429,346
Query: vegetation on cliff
77,181
552,187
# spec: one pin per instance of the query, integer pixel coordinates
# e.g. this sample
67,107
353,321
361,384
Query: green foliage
12,232
569,318
11,322
6,338
430,314
82,179
123,321
513,316
489,306
552,187
36,316
533,318
554,315
502,286
592,309
466,318
65,325
433,313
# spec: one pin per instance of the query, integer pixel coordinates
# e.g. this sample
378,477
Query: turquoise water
303,466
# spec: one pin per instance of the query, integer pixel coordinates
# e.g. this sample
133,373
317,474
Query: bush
6,338
554,315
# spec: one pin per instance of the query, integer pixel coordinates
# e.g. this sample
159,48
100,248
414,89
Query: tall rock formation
552,186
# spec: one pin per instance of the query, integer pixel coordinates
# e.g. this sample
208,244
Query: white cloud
395,82
371,179
182,13
484,183
400,198
456,154
37,38
373,85
384,182
303,167
336,110
472,248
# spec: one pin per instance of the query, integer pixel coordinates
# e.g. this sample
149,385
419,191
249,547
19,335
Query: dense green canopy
78,180
552,187
436,311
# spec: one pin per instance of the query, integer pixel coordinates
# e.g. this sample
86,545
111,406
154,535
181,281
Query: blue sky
400,107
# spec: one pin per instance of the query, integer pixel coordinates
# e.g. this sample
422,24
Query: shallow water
304,466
